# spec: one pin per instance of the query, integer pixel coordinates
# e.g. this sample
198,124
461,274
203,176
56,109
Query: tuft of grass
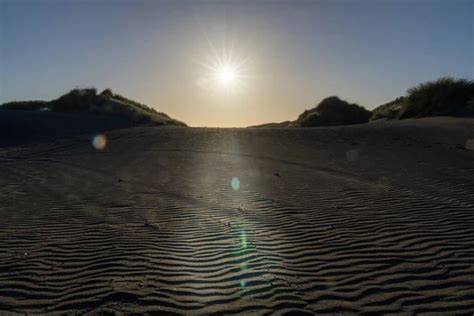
107,93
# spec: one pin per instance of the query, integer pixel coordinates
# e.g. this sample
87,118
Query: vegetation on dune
273,125
446,96
105,103
389,110
76,100
26,105
333,111
443,97
107,93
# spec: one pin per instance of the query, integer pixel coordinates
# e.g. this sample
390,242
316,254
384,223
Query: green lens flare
243,239
235,183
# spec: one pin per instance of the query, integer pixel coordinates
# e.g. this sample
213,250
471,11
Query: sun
226,75
223,72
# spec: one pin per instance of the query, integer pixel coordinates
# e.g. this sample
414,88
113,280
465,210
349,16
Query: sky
283,56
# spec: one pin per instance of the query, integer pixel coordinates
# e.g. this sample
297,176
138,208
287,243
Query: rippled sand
369,219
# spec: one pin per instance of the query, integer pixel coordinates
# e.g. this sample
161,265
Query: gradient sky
295,52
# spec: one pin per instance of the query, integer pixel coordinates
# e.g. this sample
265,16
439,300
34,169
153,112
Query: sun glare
226,76
225,72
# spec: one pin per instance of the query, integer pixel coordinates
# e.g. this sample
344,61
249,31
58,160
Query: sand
369,219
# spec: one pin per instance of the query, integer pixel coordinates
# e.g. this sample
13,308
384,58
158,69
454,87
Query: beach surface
367,219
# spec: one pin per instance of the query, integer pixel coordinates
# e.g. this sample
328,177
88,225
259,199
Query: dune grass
389,110
87,101
444,97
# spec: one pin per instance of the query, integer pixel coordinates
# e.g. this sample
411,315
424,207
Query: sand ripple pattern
153,225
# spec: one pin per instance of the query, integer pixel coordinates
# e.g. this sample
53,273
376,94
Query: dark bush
334,111
445,96
76,100
107,93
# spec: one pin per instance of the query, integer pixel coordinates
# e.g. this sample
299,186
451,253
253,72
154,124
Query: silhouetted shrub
76,100
107,93
334,111
445,96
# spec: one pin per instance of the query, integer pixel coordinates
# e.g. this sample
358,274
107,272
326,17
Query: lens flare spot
235,183
352,155
243,240
99,142
470,144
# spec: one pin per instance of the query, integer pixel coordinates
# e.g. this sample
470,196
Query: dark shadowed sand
369,219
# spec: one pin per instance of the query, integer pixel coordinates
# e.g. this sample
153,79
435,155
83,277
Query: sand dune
368,219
